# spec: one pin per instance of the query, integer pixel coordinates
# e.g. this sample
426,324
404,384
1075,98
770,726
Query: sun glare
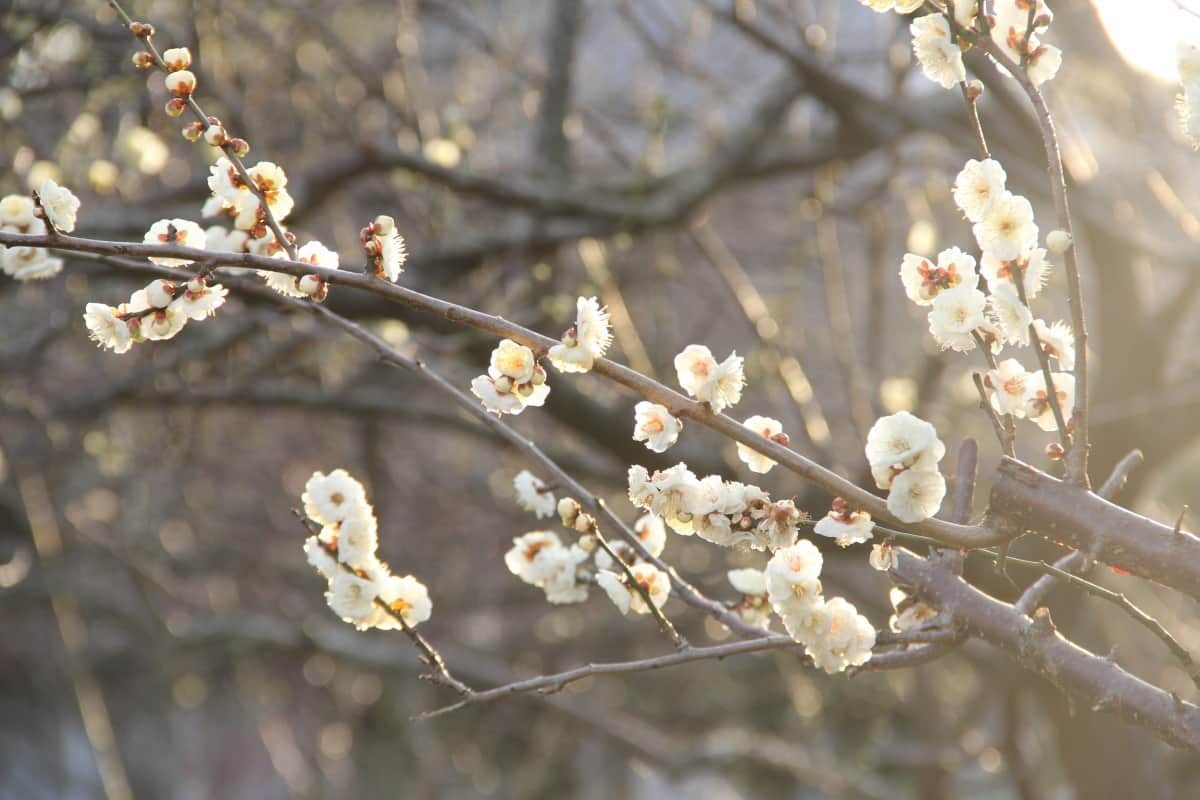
1146,31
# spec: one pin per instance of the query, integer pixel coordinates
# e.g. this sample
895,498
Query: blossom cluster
961,314
619,584
903,451
727,513
19,214
540,559
362,589
158,311
832,631
513,381
1015,28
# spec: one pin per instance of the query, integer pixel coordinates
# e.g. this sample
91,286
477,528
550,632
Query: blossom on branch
533,495
59,204
514,380
771,429
654,425
585,341
718,384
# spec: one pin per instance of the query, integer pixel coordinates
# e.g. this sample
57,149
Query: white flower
532,557
533,495
1043,63
846,526
177,58
107,329
1008,387
587,340
883,557
29,263
770,429
319,558
977,187
777,529
219,239
748,581
656,583
181,82
407,597
846,637
60,204
641,488
806,621
1187,59
163,323
674,492
614,586
1007,230
329,499
955,314
180,232
923,281
358,537
353,598
1034,268
939,55
916,494
1010,314
285,284
270,179
1037,399
1058,241
652,533
793,575
1058,342
386,247
563,586
16,211
901,441
654,425
719,385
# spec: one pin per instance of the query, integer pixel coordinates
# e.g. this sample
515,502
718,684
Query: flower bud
177,58
215,135
385,225
568,511
584,523
1058,241
781,438
588,543
1054,451
525,389
310,285
175,107
193,131
240,146
143,59
974,89
160,293
539,375
181,83
141,29
503,384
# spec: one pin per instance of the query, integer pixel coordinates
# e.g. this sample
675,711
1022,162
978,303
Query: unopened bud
568,511
310,284
781,438
1058,241
215,135
588,543
385,225
584,523
974,89
181,83
525,389
175,107
193,131
539,375
143,59
240,146
1054,451
503,384
141,29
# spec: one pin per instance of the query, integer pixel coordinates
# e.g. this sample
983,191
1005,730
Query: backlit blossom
651,532
845,525
1010,314
937,52
29,263
385,247
1032,265
1038,407
514,380
769,429
329,499
533,495
923,280
199,300
1058,341
406,596
654,425
181,232
1008,387
585,341
977,187
718,384
901,441
916,494
1007,229
353,598
846,639
107,329
614,586
883,557
60,205
955,314
16,212
793,576
748,581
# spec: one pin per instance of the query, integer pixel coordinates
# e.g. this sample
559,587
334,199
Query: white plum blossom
106,328
539,558
199,300
899,442
353,598
883,557
654,425
60,205
1038,407
514,380
533,495
1032,264
794,576
748,580
406,596
923,281
614,586
1007,229
702,377
585,341
29,263
16,213
329,499
181,232
1013,316
955,314
358,537
319,558
385,247
916,494
656,583
1008,387
162,323
1010,31
846,639
977,187
1058,342
768,428
844,525
755,606
939,55
651,532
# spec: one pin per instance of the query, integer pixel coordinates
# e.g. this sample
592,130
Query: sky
1147,31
